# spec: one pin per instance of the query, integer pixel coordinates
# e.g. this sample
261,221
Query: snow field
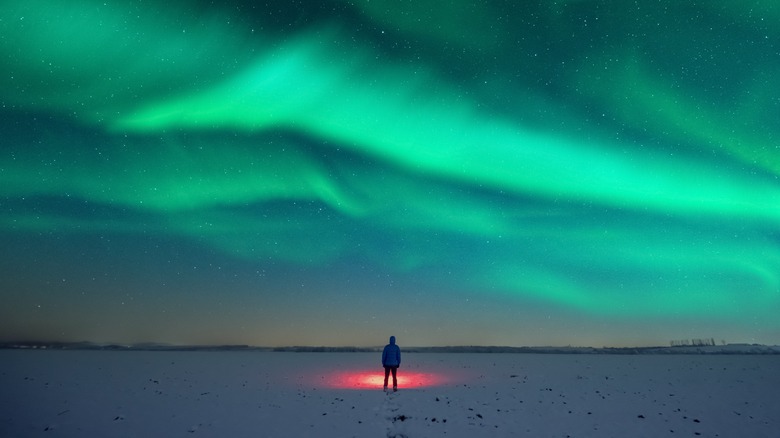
215,394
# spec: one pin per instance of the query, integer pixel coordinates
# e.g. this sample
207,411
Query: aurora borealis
329,173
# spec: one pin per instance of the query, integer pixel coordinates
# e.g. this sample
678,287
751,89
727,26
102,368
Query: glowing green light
313,148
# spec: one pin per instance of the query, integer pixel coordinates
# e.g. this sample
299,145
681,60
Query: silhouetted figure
391,360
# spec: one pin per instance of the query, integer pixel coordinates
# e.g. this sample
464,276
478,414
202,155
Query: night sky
577,172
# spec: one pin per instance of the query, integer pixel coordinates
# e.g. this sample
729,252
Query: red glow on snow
362,379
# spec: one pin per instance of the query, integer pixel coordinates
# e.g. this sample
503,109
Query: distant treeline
690,348
693,342
328,349
121,347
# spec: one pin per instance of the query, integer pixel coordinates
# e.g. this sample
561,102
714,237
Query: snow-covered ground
266,394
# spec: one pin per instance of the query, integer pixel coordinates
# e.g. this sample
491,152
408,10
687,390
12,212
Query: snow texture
271,394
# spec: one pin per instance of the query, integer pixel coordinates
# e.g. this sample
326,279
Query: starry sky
460,172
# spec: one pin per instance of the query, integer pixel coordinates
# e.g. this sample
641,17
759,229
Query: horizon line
411,348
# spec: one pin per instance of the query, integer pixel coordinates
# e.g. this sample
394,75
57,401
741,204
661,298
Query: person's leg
395,379
387,373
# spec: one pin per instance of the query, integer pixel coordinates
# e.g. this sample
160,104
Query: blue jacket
391,355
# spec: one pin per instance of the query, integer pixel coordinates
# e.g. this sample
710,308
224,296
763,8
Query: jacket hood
392,339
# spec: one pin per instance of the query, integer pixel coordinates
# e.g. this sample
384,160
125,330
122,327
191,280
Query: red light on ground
361,379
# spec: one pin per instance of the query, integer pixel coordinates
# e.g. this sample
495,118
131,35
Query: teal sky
454,173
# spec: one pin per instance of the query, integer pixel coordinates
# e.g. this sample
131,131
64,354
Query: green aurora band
638,197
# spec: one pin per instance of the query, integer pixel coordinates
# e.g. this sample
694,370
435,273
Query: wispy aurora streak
630,197
423,126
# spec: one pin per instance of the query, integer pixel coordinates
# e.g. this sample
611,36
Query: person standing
391,360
